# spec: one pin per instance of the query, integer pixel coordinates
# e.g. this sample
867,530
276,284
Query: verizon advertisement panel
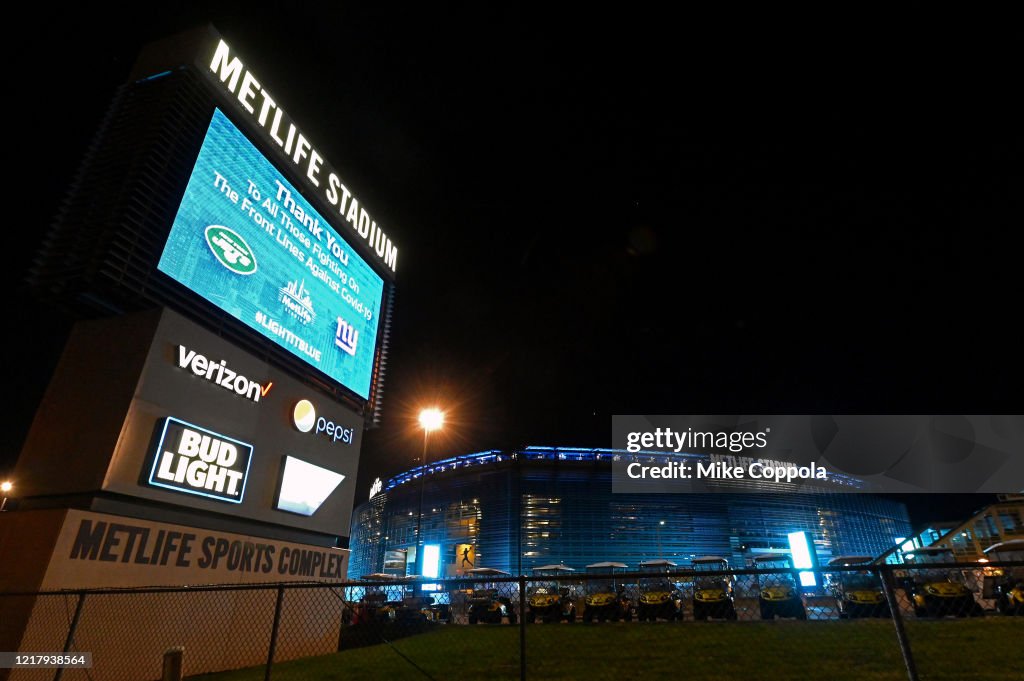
213,428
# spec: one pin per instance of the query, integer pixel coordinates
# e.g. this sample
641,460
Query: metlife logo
376,487
297,301
218,373
305,420
195,460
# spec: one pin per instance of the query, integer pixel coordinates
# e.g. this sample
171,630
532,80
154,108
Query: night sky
600,214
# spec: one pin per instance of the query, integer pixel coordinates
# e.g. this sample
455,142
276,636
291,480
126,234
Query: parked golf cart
419,604
381,600
935,589
712,589
395,600
606,596
550,600
659,598
1008,582
858,593
778,593
487,601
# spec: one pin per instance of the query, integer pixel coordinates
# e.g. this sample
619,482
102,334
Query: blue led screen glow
802,552
248,242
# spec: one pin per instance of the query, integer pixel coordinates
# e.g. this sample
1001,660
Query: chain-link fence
942,621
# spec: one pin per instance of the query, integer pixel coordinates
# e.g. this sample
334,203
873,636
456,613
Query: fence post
70,640
346,611
273,632
173,664
522,627
897,620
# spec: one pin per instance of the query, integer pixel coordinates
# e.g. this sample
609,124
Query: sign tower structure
234,298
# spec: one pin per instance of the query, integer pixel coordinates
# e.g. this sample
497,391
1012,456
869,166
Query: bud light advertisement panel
248,242
194,460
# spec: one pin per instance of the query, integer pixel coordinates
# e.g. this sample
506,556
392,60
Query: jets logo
230,249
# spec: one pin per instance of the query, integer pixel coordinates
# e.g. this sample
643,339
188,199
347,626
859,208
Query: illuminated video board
246,240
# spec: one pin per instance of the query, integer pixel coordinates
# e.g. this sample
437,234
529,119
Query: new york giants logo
346,337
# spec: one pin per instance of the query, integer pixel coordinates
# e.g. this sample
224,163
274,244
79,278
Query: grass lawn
856,650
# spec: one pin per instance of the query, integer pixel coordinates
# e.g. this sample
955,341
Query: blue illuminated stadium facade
541,505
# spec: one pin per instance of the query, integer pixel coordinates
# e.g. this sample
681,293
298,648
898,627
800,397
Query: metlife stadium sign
220,206
227,69
246,240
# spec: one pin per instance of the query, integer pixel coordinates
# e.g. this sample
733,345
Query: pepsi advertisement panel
248,242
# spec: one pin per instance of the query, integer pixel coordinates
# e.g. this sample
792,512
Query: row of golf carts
612,592
929,584
936,590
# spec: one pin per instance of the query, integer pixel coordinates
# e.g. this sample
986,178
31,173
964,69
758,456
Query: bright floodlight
5,486
431,419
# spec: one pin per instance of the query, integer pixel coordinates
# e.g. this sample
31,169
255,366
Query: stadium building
516,510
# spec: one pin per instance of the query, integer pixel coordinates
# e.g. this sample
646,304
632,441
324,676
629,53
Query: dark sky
600,213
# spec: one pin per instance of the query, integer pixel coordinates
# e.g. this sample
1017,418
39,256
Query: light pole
430,420
658,530
5,487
